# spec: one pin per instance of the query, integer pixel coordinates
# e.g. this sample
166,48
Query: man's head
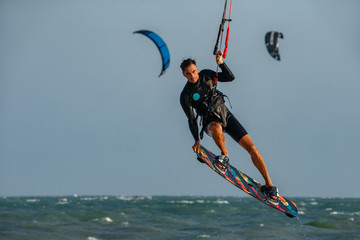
190,70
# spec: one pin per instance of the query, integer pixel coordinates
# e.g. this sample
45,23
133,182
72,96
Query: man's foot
272,194
222,162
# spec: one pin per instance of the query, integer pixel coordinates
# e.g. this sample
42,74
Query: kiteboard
246,183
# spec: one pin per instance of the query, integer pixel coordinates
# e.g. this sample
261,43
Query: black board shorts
233,127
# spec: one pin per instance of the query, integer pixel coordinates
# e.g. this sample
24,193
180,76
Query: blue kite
164,51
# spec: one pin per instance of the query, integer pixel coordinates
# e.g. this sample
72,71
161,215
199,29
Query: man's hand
196,147
219,59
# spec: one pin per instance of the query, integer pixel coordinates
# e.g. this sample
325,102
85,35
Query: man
200,94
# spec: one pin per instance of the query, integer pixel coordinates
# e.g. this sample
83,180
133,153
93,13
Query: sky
82,110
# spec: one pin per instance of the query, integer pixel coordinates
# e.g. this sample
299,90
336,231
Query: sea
174,217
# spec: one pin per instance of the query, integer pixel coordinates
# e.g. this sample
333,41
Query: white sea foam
104,198
143,197
182,202
337,213
186,202
125,223
92,238
107,219
203,236
301,212
345,213
218,201
104,219
124,198
88,198
63,201
32,200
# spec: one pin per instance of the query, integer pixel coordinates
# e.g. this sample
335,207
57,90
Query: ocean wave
345,213
143,197
203,236
218,201
337,213
101,198
321,224
92,238
32,200
103,220
131,198
89,198
107,219
181,202
186,202
62,201
124,198
199,201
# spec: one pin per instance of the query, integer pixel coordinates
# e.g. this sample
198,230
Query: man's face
191,73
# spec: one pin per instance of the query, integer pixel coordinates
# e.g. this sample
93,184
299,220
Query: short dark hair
186,63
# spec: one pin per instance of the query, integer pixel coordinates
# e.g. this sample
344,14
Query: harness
215,107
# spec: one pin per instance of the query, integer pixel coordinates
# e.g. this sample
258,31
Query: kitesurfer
200,94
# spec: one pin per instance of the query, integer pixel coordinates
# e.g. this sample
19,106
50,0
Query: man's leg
256,158
216,132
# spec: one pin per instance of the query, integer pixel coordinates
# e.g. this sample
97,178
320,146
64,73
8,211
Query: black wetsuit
210,104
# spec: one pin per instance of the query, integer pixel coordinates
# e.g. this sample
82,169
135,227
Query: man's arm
226,75
189,112
194,129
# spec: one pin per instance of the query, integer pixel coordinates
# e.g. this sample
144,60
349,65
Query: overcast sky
82,110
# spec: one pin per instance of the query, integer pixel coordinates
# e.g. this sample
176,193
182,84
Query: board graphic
246,183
